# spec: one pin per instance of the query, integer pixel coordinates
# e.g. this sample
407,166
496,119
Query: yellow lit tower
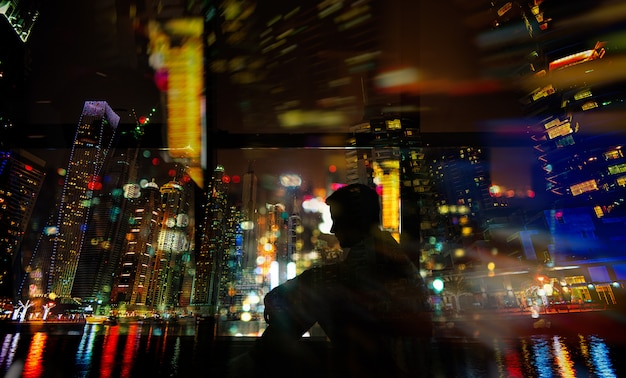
94,137
386,154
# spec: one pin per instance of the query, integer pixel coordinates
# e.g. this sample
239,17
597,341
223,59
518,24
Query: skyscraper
91,146
21,15
21,177
110,212
211,249
389,156
132,279
249,213
173,241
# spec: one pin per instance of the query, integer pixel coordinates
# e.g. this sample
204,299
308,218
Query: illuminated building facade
466,210
176,49
173,243
211,250
21,15
249,213
134,273
295,46
386,153
231,272
573,98
110,210
94,137
21,178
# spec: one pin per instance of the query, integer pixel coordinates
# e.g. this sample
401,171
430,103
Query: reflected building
573,99
91,146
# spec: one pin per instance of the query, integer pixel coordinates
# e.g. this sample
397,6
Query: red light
171,172
143,120
186,178
236,179
332,168
155,161
160,79
28,167
226,179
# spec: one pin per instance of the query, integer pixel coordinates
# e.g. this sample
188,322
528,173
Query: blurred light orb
247,225
438,285
290,180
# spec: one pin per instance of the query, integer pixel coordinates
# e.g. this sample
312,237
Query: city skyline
285,84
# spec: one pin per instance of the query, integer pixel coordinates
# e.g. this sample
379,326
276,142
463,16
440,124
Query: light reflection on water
32,366
137,350
85,351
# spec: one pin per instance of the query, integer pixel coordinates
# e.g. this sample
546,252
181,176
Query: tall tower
249,213
387,154
94,137
132,279
21,177
211,249
172,241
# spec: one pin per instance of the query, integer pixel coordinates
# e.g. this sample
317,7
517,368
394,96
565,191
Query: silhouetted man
365,304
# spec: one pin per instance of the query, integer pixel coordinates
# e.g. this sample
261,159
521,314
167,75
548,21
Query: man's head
355,210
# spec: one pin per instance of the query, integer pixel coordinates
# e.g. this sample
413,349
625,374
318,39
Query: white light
253,298
326,223
273,274
247,225
291,270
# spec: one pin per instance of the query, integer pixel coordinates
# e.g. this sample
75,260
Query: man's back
363,303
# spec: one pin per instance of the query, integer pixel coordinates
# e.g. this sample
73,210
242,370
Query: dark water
149,350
